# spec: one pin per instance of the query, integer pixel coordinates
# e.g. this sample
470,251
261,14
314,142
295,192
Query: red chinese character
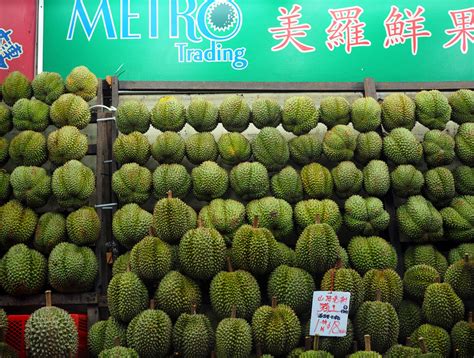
320,298
343,299
323,307
463,31
328,298
346,28
335,299
399,30
290,30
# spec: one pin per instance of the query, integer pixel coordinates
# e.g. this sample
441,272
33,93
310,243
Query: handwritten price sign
329,313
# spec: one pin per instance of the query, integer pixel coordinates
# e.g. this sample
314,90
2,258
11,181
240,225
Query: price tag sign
329,313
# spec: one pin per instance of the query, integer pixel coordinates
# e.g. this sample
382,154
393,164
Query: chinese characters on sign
290,30
329,313
9,50
347,28
399,30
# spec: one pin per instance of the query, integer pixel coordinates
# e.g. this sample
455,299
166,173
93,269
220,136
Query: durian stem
199,222
193,308
378,295
470,318
151,231
355,346
117,341
316,343
176,354
169,194
229,264
128,267
408,341
307,343
258,349
274,302
213,354
466,258
109,258
48,298
338,264
317,219
233,313
456,353
368,345
422,343
438,279
2,335
70,354
255,222
152,304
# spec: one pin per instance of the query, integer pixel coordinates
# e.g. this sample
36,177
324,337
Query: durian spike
193,308
255,222
316,343
466,257
422,343
307,343
317,219
152,304
169,194
48,298
258,349
378,295
117,341
368,345
229,264
274,302
233,313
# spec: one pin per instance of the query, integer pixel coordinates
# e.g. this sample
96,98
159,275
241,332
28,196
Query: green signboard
262,40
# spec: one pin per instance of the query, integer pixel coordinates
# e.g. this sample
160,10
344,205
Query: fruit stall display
204,223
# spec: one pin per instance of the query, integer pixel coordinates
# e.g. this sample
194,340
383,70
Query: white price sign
329,313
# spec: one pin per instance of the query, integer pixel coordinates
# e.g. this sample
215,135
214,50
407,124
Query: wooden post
307,343
368,345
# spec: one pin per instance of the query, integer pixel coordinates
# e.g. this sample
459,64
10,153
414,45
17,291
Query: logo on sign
217,21
9,50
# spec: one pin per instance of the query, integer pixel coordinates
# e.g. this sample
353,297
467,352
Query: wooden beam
419,86
186,86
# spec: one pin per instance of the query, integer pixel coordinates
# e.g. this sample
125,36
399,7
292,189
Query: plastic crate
16,333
